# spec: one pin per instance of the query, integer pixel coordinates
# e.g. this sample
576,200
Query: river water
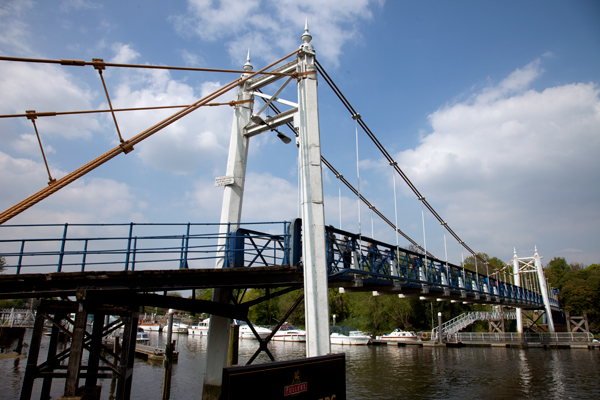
373,372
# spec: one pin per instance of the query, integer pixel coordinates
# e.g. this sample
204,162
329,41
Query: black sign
316,378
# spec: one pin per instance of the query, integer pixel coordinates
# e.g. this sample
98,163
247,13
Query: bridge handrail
530,337
465,319
376,259
75,249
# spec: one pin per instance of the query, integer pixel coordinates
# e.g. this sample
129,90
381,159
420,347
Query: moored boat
201,328
142,336
289,333
150,326
353,338
246,332
399,335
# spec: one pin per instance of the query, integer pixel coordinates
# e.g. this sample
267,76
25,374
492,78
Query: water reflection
373,372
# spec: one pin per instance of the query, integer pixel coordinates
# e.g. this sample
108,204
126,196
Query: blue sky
491,108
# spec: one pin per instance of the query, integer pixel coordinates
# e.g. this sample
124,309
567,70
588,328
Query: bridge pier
56,312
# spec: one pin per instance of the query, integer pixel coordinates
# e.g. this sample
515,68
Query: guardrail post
62,249
20,257
286,243
134,253
85,246
128,246
184,250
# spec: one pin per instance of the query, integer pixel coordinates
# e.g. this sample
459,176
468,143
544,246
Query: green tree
556,269
265,312
493,264
285,303
2,264
579,291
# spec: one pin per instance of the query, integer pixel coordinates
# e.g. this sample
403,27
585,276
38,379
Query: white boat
201,328
289,333
246,332
150,326
353,338
142,337
178,327
398,335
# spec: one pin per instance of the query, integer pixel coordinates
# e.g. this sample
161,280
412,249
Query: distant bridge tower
537,282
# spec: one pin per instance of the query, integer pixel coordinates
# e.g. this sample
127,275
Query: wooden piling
234,344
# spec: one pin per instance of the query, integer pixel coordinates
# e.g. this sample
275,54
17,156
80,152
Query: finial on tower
248,67
306,37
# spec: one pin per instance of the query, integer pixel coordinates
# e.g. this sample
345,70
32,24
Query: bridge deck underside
416,289
68,283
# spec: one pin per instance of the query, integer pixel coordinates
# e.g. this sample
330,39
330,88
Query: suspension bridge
113,269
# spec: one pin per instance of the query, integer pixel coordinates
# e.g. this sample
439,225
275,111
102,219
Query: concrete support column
517,276
218,334
313,225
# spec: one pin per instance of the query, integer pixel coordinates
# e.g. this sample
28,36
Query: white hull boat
353,338
150,326
199,329
142,337
246,332
398,335
178,327
289,333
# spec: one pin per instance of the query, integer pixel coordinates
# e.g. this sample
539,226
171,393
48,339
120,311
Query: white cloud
14,32
124,53
85,200
244,24
514,166
28,144
195,140
266,198
191,59
68,5
46,88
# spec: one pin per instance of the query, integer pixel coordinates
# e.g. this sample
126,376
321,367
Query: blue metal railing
375,260
130,247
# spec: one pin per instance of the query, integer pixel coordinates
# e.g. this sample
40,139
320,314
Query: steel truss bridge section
460,322
16,318
129,257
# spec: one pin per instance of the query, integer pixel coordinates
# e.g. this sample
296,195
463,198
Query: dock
146,352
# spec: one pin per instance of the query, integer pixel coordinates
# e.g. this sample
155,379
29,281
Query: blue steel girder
382,266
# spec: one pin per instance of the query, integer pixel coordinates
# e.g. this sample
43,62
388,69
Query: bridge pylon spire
231,214
313,214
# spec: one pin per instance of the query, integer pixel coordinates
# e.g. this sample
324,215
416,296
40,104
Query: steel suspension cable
356,117
28,114
125,147
353,190
98,61
375,210
385,153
